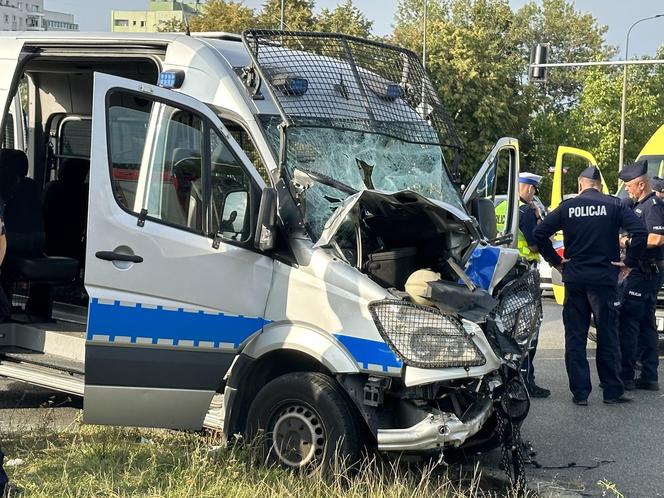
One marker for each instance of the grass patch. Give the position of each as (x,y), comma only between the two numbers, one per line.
(92,461)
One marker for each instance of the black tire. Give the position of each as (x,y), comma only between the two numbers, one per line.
(314,420)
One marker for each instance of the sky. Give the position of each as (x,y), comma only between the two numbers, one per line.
(94,15)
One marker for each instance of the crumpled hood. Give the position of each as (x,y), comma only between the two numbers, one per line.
(437,211)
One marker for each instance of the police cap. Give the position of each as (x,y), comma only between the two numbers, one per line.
(635,170)
(657,184)
(591,172)
(530,179)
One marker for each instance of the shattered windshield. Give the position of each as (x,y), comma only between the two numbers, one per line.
(360,160)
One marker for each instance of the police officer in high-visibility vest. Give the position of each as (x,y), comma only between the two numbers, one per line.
(591,223)
(529,217)
(638,332)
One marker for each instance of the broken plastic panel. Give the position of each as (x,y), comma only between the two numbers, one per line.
(482,265)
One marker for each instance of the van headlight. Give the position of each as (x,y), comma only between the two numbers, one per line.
(424,337)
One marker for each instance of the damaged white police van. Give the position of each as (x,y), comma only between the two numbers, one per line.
(267,217)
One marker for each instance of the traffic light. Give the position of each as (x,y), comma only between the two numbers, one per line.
(539,54)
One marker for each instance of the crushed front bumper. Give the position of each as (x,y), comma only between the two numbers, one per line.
(437,429)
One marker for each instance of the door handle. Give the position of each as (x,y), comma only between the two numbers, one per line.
(116,256)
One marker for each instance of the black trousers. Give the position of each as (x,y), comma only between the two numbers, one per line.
(581,301)
(638,328)
(527,366)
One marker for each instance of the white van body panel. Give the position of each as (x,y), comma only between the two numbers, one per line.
(185,295)
(331,296)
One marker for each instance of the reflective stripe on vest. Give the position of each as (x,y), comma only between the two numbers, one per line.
(521,243)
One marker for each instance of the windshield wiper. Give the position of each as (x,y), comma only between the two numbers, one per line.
(305,178)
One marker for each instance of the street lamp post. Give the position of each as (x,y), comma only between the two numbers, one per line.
(623,104)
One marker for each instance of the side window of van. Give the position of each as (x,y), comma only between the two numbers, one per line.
(247,145)
(161,158)
(128,118)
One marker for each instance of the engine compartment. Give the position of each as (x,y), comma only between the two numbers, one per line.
(390,236)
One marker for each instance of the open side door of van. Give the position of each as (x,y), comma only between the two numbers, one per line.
(558,193)
(175,284)
(496,183)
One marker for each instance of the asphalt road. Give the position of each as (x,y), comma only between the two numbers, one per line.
(625,442)
(628,438)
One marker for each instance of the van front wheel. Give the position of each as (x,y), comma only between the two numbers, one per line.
(304,420)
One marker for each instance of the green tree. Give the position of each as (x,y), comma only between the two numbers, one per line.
(344,18)
(298,15)
(224,15)
(573,36)
(596,118)
(171,25)
(476,68)
(478,53)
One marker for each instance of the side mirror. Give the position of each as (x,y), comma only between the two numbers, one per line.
(267,215)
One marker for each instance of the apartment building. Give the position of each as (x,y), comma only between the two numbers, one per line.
(159,11)
(29,15)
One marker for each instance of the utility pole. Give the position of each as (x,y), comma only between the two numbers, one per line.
(424,35)
(281,24)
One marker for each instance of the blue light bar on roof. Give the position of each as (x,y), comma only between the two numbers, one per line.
(173,78)
(393,91)
(291,85)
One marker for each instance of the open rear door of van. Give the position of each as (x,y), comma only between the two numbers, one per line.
(570,161)
(175,284)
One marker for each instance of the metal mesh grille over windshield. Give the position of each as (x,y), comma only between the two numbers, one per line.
(520,307)
(339,81)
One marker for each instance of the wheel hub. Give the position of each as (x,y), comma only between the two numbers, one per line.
(298,436)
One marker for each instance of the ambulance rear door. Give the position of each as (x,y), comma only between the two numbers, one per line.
(570,161)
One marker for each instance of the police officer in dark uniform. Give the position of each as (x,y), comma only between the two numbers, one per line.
(638,331)
(591,223)
(657,185)
(529,217)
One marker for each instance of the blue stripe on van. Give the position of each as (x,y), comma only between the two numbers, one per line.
(157,323)
(368,352)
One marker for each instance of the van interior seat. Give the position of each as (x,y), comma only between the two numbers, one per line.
(65,209)
(24,225)
(25,260)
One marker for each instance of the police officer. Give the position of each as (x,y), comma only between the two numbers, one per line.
(638,332)
(591,223)
(657,185)
(529,217)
